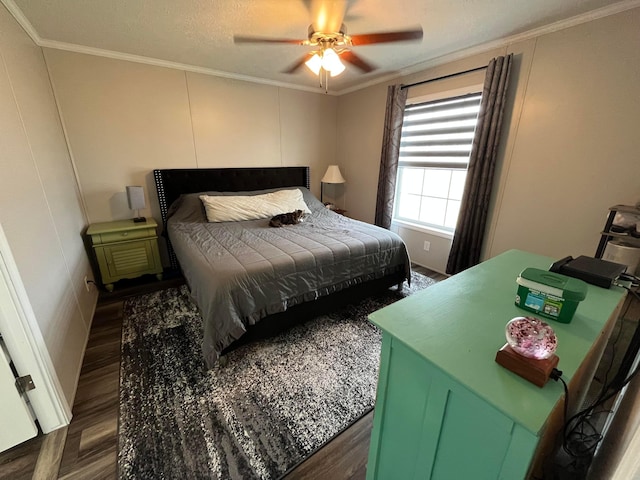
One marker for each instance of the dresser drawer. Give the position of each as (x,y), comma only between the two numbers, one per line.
(113,237)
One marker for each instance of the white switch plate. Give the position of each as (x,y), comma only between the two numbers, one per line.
(427,245)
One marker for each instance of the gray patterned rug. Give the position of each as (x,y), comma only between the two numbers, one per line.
(274,404)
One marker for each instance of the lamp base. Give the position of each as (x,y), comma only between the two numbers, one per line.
(535,371)
(139,220)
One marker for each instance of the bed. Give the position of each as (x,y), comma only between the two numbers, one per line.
(245,274)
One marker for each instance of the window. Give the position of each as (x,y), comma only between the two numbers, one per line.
(434,155)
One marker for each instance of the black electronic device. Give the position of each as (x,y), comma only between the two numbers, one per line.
(592,270)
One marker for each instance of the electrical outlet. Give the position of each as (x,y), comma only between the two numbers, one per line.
(427,245)
(87,283)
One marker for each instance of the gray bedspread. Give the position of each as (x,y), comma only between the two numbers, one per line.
(240,272)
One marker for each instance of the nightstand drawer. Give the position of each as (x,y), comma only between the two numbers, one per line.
(111,237)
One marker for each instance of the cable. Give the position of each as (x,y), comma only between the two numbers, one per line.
(613,353)
(629,276)
(577,465)
(577,423)
(627,280)
(580,437)
(557,375)
(629,357)
(578,445)
(633,292)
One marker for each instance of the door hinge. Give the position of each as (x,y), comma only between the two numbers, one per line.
(24,384)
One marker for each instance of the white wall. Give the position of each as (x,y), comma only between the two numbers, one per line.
(40,206)
(359,142)
(569,149)
(125,119)
(576,148)
(122,119)
(568,153)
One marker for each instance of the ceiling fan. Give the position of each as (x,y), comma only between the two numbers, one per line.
(332,44)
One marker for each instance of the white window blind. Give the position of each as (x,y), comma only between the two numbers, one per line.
(439,133)
(436,142)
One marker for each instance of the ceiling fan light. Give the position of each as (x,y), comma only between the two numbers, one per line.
(338,68)
(314,63)
(330,60)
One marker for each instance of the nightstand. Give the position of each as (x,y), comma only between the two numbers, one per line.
(125,249)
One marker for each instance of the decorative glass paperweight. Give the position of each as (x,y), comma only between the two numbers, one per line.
(531,337)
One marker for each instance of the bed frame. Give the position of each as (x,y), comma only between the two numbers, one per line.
(171,183)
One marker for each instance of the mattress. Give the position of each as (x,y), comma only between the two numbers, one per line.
(240,272)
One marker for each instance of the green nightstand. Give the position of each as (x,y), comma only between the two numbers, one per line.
(125,249)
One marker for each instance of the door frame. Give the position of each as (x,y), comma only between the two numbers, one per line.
(18,424)
(25,343)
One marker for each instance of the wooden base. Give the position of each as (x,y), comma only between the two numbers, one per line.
(535,371)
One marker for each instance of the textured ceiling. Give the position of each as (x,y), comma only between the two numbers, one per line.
(199,33)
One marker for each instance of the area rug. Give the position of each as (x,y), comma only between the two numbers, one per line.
(273,404)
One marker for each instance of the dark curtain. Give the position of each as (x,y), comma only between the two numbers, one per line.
(396,99)
(467,241)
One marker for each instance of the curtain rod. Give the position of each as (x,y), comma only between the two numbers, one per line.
(443,77)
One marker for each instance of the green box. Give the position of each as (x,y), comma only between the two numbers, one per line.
(549,294)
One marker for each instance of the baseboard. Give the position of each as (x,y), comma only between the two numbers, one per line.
(429,268)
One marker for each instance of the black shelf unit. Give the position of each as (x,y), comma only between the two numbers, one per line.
(607,234)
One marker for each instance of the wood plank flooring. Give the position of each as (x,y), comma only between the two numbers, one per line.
(89,443)
(87,448)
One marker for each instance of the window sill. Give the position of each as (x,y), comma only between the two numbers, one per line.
(423,229)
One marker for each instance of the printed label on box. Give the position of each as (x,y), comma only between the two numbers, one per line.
(534,301)
(540,302)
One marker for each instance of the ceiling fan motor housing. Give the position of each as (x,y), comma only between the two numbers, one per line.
(329,39)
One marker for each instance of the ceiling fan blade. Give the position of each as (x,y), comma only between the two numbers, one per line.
(327,15)
(386,37)
(352,58)
(298,64)
(249,39)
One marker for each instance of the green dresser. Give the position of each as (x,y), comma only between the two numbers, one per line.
(125,249)
(445,409)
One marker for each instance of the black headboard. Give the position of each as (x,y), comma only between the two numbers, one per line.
(172,183)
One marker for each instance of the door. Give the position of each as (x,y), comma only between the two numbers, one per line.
(22,339)
(16,421)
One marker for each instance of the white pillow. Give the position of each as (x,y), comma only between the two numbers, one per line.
(251,207)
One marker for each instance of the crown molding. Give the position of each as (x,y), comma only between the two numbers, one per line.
(22,20)
(72,47)
(502,42)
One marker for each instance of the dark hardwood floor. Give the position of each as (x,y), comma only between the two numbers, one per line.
(87,448)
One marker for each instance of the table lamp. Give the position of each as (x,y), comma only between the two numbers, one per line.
(332,175)
(135,197)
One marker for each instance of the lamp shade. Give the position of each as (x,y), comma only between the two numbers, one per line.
(338,68)
(135,197)
(333,175)
(314,63)
(331,62)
